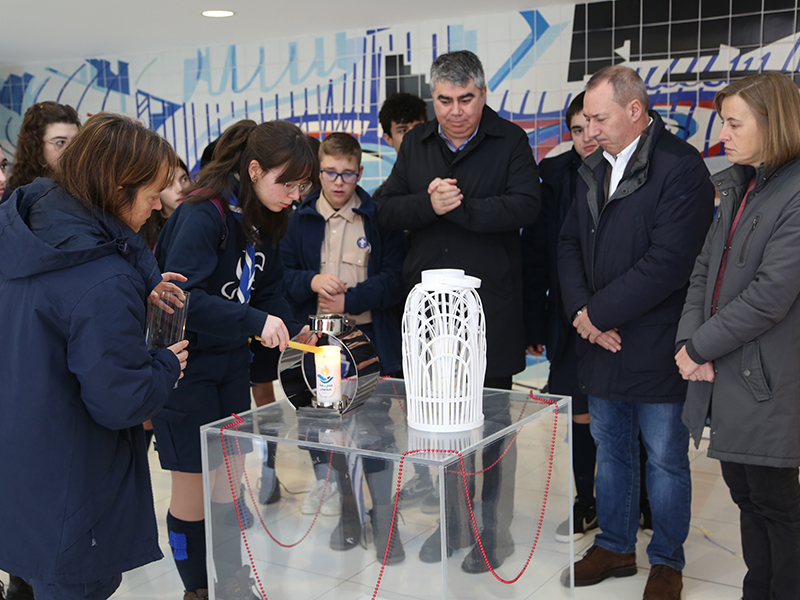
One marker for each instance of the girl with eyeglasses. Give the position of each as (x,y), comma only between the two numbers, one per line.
(223,238)
(47,129)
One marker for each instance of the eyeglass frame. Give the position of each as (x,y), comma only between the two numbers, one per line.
(55,141)
(322,173)
(291,186)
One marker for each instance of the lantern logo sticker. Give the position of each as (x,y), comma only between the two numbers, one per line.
(324,375)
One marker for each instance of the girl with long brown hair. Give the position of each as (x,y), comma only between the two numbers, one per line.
(223,238)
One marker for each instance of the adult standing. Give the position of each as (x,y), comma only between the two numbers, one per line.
(47,129)
(463,186)
(626,251)
(739,330)
(77,377)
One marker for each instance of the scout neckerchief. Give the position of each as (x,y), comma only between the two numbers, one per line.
(248,274)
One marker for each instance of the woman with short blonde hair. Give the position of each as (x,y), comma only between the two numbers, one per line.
(738,337)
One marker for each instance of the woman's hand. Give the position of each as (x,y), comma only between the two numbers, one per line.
(274,333)
(690,370)
(166,286)
(181,352)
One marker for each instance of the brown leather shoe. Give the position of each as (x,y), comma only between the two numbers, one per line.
(664,583)
(598,564)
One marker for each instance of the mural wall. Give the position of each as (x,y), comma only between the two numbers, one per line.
(535,62)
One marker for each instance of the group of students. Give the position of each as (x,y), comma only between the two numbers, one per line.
(97,221)
(76,229)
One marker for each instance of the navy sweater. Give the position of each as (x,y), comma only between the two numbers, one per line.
(192,244)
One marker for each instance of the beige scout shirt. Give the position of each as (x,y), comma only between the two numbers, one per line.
(345,252)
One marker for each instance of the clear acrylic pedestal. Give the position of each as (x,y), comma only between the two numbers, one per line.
(507,483)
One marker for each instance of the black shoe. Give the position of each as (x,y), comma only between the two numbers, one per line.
(431,551)
(417,489)
(584,517)
(240,586)
(381,516)
(347,533)
(496,553)
(19,589)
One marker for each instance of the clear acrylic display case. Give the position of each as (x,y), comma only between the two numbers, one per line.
(508,481)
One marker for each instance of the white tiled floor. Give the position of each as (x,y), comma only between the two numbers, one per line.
(712,572)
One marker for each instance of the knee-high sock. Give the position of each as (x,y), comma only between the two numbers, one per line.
(188,542)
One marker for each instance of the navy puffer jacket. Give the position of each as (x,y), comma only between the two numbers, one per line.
(77,382)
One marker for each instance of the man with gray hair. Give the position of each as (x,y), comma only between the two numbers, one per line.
(641,212)
(463,186)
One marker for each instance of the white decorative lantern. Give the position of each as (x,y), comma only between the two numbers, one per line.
(444,352)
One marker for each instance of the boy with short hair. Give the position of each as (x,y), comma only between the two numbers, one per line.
(400,113)
(338,259)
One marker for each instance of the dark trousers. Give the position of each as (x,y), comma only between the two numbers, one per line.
(93,590)
(769,503)
(497,494)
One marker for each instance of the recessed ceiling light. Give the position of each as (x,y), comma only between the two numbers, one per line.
(218,14)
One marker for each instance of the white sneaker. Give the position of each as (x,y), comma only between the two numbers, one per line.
(332,504)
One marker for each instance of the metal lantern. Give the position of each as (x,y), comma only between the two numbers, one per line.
(360,366)
(444,352)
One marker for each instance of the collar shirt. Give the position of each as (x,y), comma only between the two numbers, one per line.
(620,162)
(345,251)
(450,144)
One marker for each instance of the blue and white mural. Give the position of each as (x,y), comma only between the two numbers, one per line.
(535,62)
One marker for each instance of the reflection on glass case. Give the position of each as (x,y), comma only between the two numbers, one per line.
(360,505)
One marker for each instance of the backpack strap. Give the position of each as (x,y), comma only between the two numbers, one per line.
(218,202)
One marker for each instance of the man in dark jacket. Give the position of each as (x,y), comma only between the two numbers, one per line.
(463,185)
(627,248)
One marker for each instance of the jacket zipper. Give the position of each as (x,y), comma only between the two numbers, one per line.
(747,239)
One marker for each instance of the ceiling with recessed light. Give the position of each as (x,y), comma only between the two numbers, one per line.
(45,30)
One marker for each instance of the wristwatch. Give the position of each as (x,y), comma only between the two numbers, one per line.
(579,312)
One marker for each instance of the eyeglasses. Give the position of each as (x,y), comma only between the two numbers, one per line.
(333,176)
(58,143)
(291,186)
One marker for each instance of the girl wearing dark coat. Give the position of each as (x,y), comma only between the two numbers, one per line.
(78,379)
(223,238)
(738,335)
(47,129)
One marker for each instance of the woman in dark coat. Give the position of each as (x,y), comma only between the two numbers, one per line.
(223,238)
(77,377)
(739,335)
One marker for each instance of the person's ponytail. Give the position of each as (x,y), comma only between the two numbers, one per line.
(213,179)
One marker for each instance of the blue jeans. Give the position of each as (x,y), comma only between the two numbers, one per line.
(615,428)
